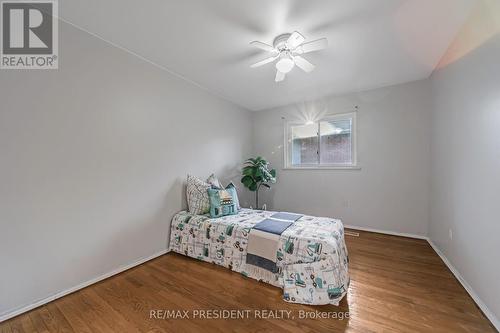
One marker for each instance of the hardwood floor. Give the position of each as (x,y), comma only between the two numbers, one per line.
(397,285)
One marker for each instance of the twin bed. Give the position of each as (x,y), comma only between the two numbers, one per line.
(310,259)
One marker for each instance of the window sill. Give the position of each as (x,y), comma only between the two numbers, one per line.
(350,167)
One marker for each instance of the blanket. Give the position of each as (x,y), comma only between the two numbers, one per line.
(263,243)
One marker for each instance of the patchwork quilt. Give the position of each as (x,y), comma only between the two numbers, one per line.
(311,257)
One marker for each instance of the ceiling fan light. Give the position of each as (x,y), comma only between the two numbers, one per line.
(285,65)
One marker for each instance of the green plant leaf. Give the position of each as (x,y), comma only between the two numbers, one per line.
(258,172)
(247,181)
(248,171)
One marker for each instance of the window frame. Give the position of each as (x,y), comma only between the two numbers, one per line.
(336,166)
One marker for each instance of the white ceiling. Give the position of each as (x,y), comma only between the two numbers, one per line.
(372,43)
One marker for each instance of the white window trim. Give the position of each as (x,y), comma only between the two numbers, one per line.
(354,137)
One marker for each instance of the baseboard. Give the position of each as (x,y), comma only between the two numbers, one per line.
(487,312)
(7,315)
(392,233)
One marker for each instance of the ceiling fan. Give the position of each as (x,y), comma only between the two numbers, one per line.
(288,49)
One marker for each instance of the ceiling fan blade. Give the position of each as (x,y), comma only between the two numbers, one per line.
(265,61)
(295,40)
(263,46)
(315,45)
(303,64)
(279,76)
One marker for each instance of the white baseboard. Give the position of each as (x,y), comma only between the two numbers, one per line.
(393,233)
(487,312)
(7,315)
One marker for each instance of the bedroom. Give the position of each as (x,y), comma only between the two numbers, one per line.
(379,118)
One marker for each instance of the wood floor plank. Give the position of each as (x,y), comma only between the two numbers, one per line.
(122,297)
(96,322)
(398,284)
(16,326)
(38,323)
(73,315)
(53,318)
(5,327)
(115,320)
(27,325)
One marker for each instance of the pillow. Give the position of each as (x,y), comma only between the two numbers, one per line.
(216,184)
(235,195)
(223,201)
(214,181)
(197,196)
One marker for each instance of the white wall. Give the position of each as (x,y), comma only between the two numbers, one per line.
(465,171)
(390,192)
(92,161)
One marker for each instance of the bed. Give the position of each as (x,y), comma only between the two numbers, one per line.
(311,256)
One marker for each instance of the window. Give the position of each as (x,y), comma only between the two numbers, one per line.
(329,142)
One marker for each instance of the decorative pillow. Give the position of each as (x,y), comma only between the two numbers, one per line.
(222,201)
(197,196)
(214,181)
(235,195)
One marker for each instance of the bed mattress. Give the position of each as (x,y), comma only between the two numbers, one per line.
(311,259)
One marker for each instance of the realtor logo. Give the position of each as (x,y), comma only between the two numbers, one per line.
(29,35)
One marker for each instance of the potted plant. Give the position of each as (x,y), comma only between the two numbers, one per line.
(256,173)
